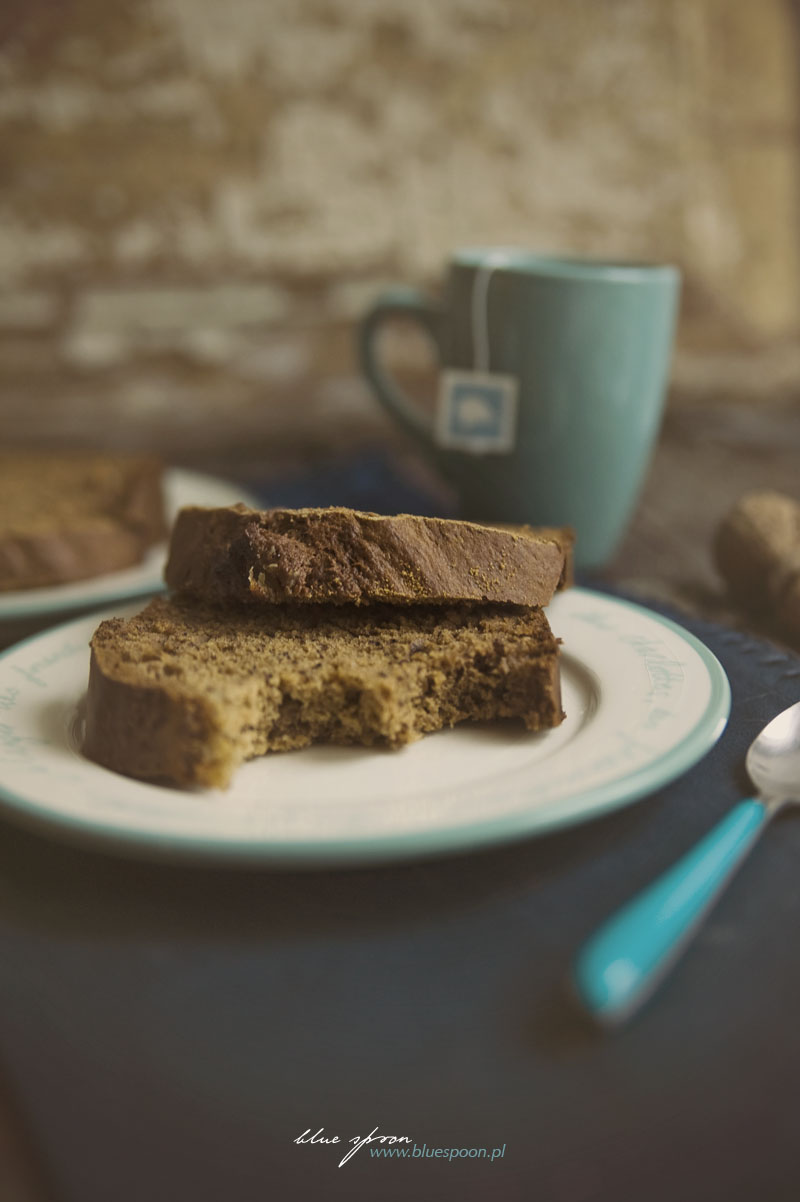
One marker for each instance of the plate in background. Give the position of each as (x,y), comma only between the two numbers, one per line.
(644,698)
(25,608)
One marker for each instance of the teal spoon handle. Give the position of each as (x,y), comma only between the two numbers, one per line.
(622,963)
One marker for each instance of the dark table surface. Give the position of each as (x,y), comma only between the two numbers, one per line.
(167,1032)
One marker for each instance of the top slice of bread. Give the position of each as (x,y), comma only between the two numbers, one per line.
(341,556)
(71,516)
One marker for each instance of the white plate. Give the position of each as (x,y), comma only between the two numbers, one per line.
(180,488)
(644,698)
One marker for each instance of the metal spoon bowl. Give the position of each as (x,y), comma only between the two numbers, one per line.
(773,760)
(623,962)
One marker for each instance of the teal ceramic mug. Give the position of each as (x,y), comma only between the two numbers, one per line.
(554,372)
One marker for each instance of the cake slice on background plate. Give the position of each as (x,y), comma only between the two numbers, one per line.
(68,516)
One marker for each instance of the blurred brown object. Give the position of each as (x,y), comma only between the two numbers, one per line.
(757,551)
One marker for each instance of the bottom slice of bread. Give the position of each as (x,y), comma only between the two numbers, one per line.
(186,693)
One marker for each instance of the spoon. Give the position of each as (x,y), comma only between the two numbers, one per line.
(623,962)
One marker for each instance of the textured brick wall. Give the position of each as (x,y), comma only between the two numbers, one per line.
(197,199)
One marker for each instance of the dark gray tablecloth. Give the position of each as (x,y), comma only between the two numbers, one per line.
(168,1032)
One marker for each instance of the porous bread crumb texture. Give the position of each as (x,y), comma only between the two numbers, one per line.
(186,693)
(345,557)
(71,516)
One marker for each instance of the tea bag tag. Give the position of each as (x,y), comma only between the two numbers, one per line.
(476,410)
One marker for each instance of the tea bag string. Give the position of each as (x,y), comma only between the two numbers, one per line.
(481,351)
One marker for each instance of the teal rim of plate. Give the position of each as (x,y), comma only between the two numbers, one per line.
(40,609)
(442,841)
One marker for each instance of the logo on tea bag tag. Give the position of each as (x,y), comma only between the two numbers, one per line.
(477,412)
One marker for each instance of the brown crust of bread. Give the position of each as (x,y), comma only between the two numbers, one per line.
(186,692)
(72,517)
(152,733)
(341,556)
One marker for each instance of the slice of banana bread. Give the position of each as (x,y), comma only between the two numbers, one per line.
(341,556)
(186,693)
(70,516)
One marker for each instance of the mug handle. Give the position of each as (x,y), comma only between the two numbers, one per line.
(399,302)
